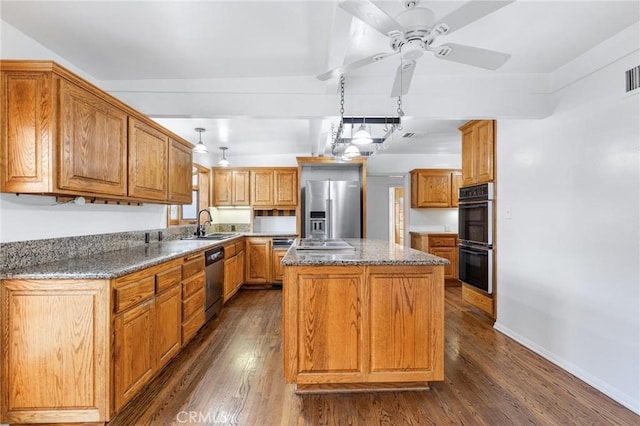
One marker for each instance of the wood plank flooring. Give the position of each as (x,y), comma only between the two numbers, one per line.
(231,374)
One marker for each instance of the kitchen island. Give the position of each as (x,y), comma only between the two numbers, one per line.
(362,319)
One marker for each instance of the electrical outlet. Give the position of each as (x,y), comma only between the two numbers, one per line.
(507,213)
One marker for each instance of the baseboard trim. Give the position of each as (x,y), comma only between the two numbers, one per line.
(605,388)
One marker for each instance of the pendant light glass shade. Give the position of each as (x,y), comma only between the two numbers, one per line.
(223,161)
(200,148)
(362,136)
(351,151)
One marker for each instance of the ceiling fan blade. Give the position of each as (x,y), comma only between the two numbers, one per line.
(475,56)
(470,12)
(370,14)
(403,78)
(336,72)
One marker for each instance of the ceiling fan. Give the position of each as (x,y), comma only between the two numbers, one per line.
(413,32)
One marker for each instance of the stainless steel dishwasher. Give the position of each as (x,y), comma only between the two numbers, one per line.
(214,281)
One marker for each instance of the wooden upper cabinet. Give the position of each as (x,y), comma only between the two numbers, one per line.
(222,187)
(484,151)
(230,187)
(180,169)
(93,143)
(61,135)
(434,188)
(456,183)
(286,187)
(262,192)
(26,142)
(241,194)
(274,187)
(204,187)
(148,161)
(478,152)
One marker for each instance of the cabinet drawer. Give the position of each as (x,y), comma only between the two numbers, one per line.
(134,292)
(191,327)
(229,251)
(168,278)
(192,305)
(443,241)
(192,265)
(191,286)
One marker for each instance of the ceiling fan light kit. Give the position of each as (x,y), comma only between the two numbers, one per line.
(412,33)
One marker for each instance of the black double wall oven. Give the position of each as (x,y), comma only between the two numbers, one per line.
(475,236)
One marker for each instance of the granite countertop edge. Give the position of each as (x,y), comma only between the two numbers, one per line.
(113,264)
(366,253)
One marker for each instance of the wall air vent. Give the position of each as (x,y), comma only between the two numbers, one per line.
(632,78)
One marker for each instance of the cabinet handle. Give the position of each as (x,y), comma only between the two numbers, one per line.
(193,256)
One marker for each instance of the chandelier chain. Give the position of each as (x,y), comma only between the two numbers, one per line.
(342,96)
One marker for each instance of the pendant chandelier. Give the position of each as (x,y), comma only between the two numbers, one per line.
(200,148)
(223,161)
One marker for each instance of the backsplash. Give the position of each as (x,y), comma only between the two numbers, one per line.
(230,227)
(35,252)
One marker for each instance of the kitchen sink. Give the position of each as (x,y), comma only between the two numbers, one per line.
(218,237)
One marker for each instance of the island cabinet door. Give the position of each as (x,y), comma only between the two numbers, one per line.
(55,351)
(330,330)
(406,323)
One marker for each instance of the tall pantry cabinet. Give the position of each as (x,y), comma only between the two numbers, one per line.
(478,166)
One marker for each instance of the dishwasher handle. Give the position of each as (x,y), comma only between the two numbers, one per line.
(213,256)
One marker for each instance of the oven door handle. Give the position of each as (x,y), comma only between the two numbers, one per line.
(471,205)
(473,251)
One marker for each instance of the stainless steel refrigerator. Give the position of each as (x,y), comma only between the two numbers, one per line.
(332,209)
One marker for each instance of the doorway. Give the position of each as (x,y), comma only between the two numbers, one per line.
(396,215)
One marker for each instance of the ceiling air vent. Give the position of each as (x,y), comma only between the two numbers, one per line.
(632,77)
(408,135)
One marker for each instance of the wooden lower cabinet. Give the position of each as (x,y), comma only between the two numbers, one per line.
(233,269)
(168,323)
(56,347)
(258,260)
(147,334)
(193,296)
(478,299)
(362,327)
(134,351)
(76,351)
(441,245)
(276,268)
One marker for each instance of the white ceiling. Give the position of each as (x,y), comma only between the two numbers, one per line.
(245,70)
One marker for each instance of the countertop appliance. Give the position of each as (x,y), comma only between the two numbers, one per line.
(214,281)
(315,244)
(332,209)
(475,236)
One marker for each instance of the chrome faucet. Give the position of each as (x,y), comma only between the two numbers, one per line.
(200,228)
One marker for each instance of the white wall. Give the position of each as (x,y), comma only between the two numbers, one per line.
(568,259)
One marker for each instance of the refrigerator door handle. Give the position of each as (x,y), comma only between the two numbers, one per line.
(329,229)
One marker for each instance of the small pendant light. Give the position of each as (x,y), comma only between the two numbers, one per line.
(200,148)
(362,136)
(223,161)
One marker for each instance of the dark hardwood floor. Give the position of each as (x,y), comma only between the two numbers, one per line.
(231,373)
